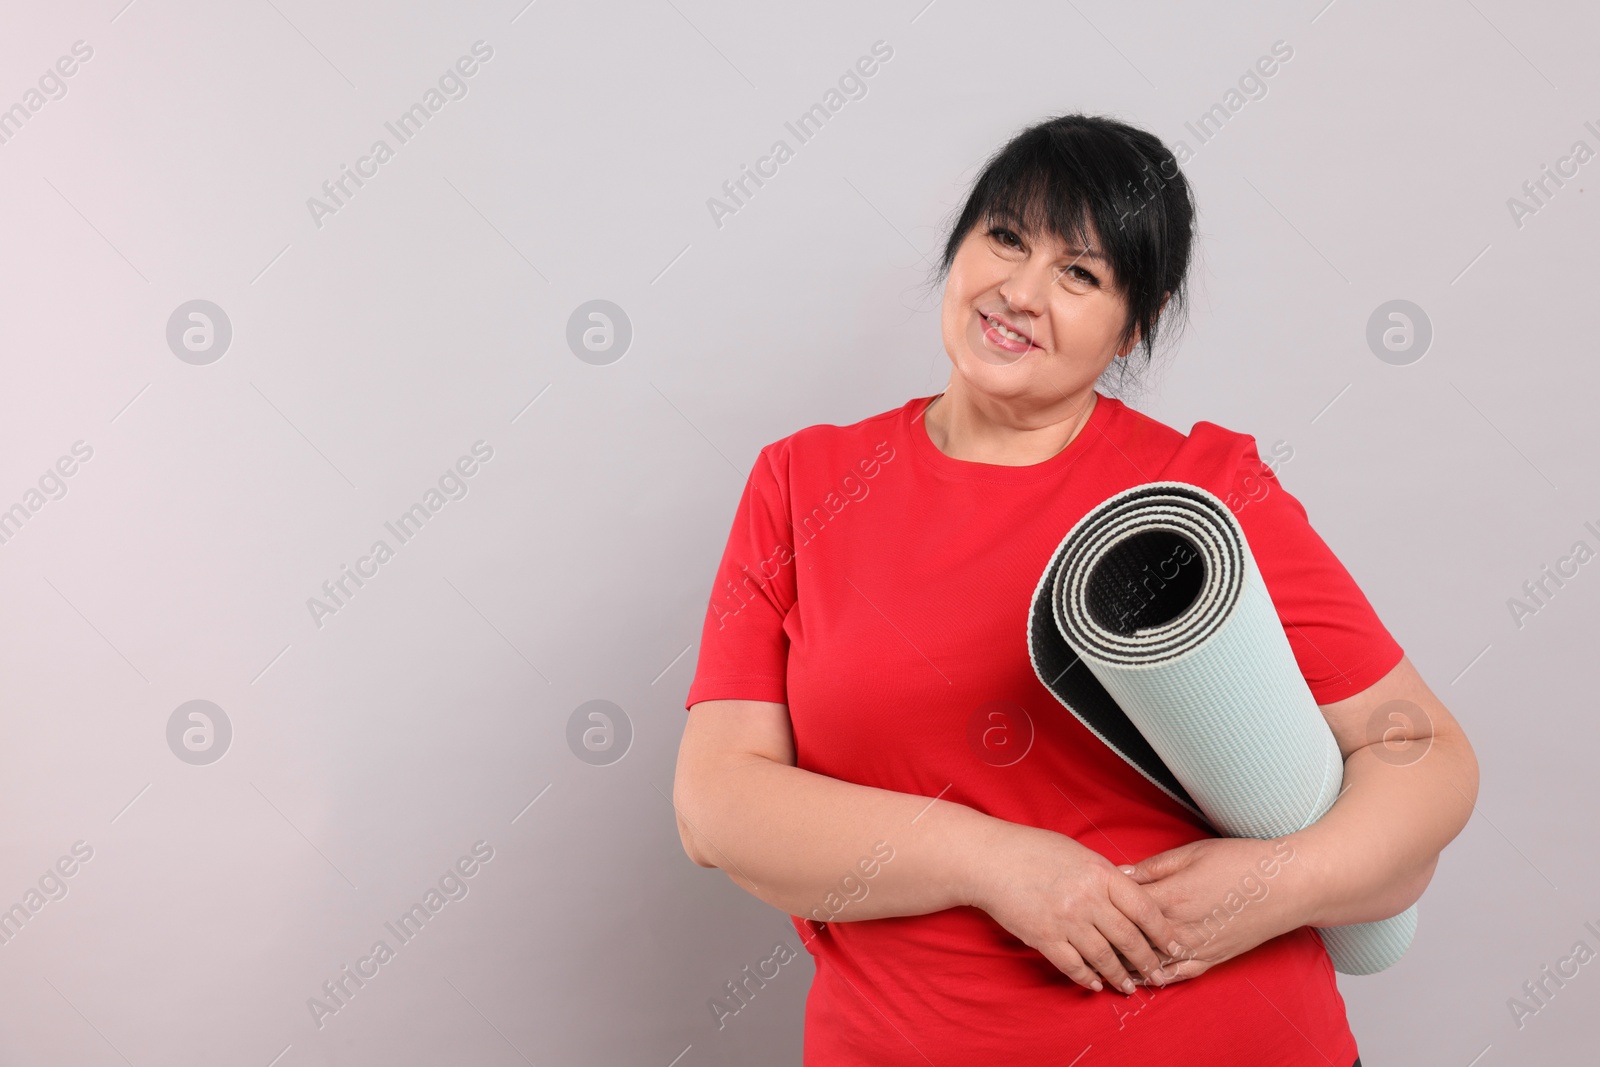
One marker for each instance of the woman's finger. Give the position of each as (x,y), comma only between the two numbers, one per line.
(1098,953)
(1130,945)
(1178,970)
(1161,865)
(1135,902)
(1132,968)
(1066,959)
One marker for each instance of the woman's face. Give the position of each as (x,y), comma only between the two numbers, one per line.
(1062,301)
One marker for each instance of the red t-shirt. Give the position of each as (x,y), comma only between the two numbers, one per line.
(880,589)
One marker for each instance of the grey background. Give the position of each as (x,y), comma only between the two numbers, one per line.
(368,354)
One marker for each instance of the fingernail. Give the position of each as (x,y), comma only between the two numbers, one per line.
(1127,985)
(1096,986)
(1125,870)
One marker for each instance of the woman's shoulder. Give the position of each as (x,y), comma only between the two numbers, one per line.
(1209,455)
(876,436)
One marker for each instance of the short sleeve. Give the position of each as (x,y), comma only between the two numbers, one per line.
(744,649)
(1339,642)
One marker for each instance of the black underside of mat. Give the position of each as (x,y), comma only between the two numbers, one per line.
(1069,678)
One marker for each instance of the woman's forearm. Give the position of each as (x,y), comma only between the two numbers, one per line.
(830,850)
(1372,854)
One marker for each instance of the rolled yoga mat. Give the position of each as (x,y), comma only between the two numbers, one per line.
(1152,625)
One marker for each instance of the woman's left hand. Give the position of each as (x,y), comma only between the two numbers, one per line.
(1224,896)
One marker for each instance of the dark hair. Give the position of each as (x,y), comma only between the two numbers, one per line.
(1055,176)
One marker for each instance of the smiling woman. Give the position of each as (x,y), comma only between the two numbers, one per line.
(837,713)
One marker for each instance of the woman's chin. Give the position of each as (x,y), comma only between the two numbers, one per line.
(983,352)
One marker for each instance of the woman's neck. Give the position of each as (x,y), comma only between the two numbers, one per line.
(989,433)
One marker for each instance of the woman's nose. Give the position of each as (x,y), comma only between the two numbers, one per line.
(1024,290)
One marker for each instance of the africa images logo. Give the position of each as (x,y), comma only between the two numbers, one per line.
(453,85)
(852,85)
(452,485)
(807,524)
(453,885)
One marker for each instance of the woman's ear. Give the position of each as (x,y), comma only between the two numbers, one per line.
(1134,343)
(1127,347)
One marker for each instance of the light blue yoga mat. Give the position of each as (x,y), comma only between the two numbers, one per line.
(1154,628)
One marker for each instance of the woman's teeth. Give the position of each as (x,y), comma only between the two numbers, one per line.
(1007,333)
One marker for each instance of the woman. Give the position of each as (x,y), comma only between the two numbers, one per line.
(979,878)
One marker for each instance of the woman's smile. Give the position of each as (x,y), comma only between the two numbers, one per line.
(1004,336)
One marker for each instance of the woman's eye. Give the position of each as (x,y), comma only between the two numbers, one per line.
(1005,236)
(1082,275)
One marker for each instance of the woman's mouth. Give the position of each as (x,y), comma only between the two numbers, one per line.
(1003,337)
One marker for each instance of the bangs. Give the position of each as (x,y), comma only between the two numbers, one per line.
(1024,199)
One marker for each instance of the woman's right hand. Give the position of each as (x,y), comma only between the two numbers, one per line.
(1074,906)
